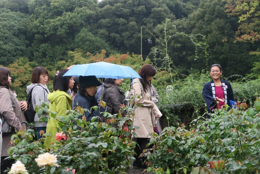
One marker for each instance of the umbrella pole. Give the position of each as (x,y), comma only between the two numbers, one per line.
(141,45)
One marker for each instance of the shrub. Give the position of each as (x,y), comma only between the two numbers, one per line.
(188,92)
(96,147)
(231,136)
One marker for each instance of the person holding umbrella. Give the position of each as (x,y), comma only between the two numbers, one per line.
(85,97)
(145,111)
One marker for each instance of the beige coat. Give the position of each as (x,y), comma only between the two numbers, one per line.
(12,116)
(145,111)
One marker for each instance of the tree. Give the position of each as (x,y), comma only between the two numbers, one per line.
(88,42)
(15,5)
(12,36)
(211,21)
(119,22)
(182,8)
(21,70)
(54,25)
(248,12)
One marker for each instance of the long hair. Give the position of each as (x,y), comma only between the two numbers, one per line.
(4,72)
(145,72)
(37,72)
(82,91)
(61,83)
(75,87)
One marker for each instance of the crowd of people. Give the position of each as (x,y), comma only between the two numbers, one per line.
(70,92)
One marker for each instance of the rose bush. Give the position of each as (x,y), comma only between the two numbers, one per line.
(229,140)
(96,147)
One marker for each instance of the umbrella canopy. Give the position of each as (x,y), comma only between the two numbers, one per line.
(102,70)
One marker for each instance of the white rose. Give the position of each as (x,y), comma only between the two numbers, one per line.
(46,159)
(18,168)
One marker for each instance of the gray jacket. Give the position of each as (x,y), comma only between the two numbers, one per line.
(39,95)
(11,115)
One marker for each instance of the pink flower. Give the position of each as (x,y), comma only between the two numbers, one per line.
(226,86)
(60,136)
(73,170)
(244,99)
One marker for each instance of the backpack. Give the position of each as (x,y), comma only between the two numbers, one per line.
(30,112)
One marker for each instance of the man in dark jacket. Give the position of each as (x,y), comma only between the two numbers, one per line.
(113,95)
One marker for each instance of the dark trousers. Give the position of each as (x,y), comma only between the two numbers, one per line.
(141,144)
(5,164)
(38,129)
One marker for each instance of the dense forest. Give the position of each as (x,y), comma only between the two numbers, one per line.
(186,36)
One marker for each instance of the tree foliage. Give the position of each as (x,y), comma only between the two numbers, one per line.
(198,32)
(54,25)
(15,5)
(248,13)
(12,38)
(119,22)
(208,25)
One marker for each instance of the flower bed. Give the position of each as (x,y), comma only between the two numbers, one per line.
(228,142)
(96,147)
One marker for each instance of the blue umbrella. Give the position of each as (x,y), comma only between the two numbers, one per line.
(102,70)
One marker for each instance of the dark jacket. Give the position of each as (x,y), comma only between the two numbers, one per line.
(209,97)
(86,102)
(114,98)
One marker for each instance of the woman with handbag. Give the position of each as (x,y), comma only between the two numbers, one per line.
(10,113)
(217,92)
(145,111)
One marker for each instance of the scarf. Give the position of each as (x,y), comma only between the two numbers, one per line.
(92,100)
(224,89)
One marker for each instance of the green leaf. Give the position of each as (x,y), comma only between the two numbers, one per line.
(53,169)
(169,142)
(257,106)
(198,156)
(184,170)
(168,171)
(195,170)
(251,112)
(40,111)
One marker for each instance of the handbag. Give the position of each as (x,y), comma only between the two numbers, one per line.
(5,126)
(232,104)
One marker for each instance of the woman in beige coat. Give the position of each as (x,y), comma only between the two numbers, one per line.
(145,111)
(10,110)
